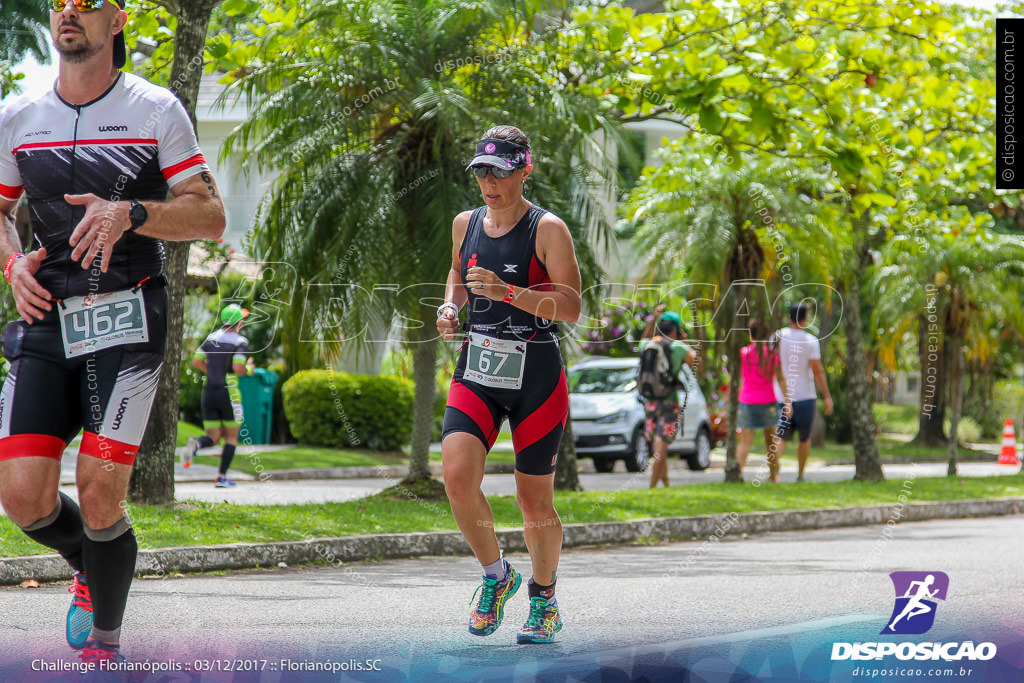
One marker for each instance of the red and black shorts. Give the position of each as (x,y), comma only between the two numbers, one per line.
(46,398)
(536,412)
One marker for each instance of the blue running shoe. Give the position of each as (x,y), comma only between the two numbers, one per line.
(80,613)
(223,482)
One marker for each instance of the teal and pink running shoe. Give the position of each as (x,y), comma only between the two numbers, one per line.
(486,618)
(80,612)
(542,624)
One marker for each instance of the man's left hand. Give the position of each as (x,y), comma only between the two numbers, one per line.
(101,227)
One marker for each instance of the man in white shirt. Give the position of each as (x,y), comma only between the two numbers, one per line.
(800,359)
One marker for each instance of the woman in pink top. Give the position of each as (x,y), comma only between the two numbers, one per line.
(759,362)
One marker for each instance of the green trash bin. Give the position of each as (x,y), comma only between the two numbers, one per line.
(257,406)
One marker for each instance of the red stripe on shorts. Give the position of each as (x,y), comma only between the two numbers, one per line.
(107,449)
(31,445)
(540,423)
(463,399)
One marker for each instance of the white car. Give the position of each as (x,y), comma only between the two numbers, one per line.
(608,416)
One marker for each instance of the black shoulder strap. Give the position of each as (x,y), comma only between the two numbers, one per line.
(472,230)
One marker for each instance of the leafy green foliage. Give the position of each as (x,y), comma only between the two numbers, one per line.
(25,31)
(620,331)
(342,410)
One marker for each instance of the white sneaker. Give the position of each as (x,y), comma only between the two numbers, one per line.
(189,451)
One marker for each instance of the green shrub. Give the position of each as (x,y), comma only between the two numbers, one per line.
(341,410)
(440,403)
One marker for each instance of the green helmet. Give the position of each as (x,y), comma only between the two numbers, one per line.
(232,313)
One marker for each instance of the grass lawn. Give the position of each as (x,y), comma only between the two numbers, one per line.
(186,430)
(891,451)
(315,456)
(896,419)
(392,511)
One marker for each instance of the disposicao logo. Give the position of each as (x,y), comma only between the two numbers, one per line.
(917,598)
(917,594)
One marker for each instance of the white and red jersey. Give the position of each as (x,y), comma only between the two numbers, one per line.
(133,142)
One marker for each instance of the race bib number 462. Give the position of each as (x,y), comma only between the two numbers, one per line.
(96,322)
(497,363)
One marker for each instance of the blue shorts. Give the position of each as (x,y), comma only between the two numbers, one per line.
(801,421)
(757,415)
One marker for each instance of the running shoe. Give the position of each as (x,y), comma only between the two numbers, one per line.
(486,618)
(95,652)
(543,622)
(80,613)
(223,482)
(189,452)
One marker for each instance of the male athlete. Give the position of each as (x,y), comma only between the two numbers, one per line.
(222,358)
(95,158)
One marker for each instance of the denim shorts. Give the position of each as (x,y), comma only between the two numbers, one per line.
(801,421)
(757,415)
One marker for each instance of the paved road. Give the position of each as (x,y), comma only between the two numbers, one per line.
(769,602)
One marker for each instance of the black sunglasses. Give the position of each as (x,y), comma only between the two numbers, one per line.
(500,173)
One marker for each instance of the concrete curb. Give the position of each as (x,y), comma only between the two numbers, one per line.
(584,466)
(370,471)
(393,546)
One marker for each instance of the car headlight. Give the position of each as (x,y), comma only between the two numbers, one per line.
(613,418)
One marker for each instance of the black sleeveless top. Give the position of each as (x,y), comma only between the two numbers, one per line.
(513,258)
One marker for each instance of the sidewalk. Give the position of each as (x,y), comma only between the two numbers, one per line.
(199,472)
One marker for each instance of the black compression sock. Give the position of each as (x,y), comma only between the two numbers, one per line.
(62,531)
(205,441)
(540,591)
(226,456)
(110,564)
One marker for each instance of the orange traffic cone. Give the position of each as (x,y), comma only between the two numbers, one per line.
(1008,456)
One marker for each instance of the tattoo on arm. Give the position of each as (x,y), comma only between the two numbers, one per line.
(209,183)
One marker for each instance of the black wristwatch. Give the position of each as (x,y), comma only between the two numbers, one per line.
(138,215)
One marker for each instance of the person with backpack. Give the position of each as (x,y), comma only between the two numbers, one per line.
(661,359)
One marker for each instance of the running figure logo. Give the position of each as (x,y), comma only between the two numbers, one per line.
(916,596)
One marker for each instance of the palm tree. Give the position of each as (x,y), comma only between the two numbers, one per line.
(23,31)
(730,227)
(371,117)
(968,279)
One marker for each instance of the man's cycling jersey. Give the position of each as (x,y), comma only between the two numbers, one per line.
(133,142)
(220,351)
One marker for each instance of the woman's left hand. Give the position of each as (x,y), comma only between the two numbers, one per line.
(483,282)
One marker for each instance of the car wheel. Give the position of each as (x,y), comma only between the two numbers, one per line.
(604,465)
(701,458)
(639,452)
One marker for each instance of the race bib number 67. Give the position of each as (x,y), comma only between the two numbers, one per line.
(497,363)
(96,322)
